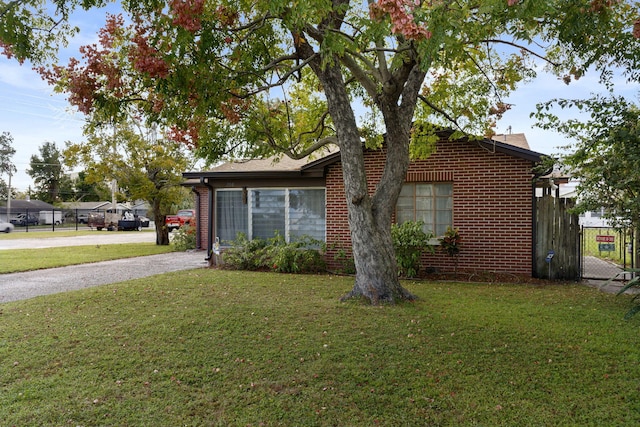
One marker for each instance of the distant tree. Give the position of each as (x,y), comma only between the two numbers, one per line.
(4,190)
(47,171)
(85,191)
(605,159)
(6,153)
(144,168)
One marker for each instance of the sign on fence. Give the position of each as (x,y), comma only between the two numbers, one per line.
(606,247)
(605,239)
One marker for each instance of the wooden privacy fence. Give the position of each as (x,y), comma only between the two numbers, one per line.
(557,245)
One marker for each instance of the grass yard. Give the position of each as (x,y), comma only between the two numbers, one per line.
(223,348)
(43,234)
(15,260)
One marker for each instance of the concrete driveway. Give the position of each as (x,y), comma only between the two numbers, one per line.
(18,286)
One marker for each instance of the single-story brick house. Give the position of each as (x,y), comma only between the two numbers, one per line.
(484,188)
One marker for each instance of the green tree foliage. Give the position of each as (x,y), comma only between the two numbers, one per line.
(86,191)
(605,159)
(6,164)
(143,167)
(274,76)
(6,153)
(47,171)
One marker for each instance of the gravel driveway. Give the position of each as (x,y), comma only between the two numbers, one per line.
(18,286)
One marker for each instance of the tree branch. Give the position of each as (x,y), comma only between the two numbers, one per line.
(439,110)
(526,49)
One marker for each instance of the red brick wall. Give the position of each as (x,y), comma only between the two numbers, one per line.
(491,206)
(202,216)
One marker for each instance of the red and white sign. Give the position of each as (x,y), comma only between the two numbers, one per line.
(605,239)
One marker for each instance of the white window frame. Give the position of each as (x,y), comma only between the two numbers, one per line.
(249,201)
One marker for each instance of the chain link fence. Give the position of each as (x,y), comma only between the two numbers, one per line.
(606,252)
(26,220)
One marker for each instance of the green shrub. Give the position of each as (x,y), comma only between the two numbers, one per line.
(633,286)
(409,241)
(302,256)
(450,244)
(185,238)
(245,254)
(347,264)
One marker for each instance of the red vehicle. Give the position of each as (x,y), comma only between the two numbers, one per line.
(184,216)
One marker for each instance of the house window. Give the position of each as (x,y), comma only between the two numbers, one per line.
(267,213)
(307,213)
(231,215)
(431,203)
(261,212)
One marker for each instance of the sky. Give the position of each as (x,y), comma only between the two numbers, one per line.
(33,114)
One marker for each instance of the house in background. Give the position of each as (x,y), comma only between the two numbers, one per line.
(484,188)
(32,207)
(80,210)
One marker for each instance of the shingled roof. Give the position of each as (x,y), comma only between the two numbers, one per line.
(515,145)
(515,139)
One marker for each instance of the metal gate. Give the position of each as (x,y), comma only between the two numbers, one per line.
(606,252)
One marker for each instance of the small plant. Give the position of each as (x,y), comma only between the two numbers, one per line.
(245,254)
(301,256)
(409,241)
(633,284)
(346,262)
(450,244)
(184,239)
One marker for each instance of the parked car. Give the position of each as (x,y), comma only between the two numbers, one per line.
(24,219)
(184,216)
(6,227)
(132,222)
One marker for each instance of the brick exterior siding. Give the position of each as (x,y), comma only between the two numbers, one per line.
(202,216)
(492,206)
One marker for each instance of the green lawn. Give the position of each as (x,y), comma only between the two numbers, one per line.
(44,234)
(16,260)
(222,348)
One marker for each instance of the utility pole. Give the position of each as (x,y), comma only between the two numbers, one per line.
(9,197)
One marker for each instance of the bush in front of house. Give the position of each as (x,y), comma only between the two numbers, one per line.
(343,258)
(409,241)
(245,254)
(305,255)
(302,256)
(450,244)
(184,239)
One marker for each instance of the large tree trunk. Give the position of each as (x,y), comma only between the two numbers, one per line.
(369,216)
(162,234)
(374,257)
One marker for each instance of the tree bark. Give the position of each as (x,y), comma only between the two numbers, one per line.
(162,234)
(369,217)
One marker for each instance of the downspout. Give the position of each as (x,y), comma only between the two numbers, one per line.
(209,219)
(198,227)
(534,229)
